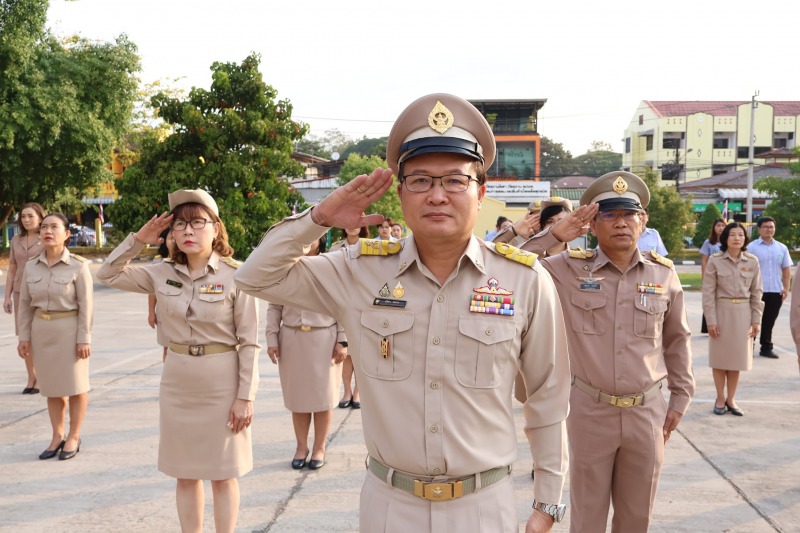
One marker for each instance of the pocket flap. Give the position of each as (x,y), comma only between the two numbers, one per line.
(63,279)
(211,297)
(169,290)
(487,331)
(33,278)
(588,301)
(387,324)
(653,305)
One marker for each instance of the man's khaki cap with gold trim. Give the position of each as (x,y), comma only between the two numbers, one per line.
(617,190)
(440,123)
(197,196)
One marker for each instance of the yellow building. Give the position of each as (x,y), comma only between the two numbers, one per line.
(687,141)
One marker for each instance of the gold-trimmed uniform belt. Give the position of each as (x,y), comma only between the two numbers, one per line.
(200,349)
(47,315)
(735,300)
(621,401)
(437,492)
(305,328)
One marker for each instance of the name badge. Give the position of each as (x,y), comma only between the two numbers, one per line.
(174,283)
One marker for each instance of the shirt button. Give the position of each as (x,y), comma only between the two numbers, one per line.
(434,428)
(434,384)
(436,471)
(489,332)
(436,341)
(619,327)
(440,298)
(385,323)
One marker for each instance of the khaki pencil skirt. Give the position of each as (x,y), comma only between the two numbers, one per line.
(309,380)
(195,401)
(59,372)
(733,349)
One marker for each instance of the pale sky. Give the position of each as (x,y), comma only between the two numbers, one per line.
(354,65)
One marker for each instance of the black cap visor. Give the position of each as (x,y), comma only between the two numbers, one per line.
(436,145)
(628,204)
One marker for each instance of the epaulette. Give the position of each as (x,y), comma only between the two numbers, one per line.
(168,260)
(78,257)
(658,258)
(718,254)
(747,254)
(513,253)
(379,247)
(581,254)
(230,261)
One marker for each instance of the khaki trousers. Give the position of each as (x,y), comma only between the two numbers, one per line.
(386,509)
(616,457)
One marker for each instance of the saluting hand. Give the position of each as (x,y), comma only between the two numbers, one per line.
(527,226)
(241,415)
(344,207)
(274,354)
(150,233)
(575,224)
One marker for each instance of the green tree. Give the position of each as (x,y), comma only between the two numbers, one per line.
(63,106)
(670,214)
(332,141)
(389,204)
(598,162)
(367,147)
(785,206)
(556,161)
(234,140)
(704,225)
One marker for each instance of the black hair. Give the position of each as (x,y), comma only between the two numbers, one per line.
(549,212)
(163,249)
(723,239)
(764,219)
(712,237)
(500,220)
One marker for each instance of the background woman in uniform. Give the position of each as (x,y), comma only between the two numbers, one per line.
(350,398)
(211,372)
(310,347)
(164,252)
(55,327)
(732,305)
(385,230)
(710,247)
(25,245)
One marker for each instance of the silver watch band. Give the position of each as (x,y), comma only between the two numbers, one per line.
(555,510)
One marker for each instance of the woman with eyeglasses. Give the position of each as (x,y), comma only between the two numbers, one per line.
(25,245)
(210,374)
(55,328)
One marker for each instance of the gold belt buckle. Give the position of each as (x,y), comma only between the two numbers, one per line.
(625,401)
(305,328)
(437,492)
(197,350)
(45,316)
(735,300)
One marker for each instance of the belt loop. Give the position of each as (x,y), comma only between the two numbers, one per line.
(573,380)
(477,481)
(389,476)
(366,462)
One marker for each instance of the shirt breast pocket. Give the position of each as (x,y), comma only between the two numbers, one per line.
(386,350)
(63,285)
(482,351)
(649,316)
(211,307)
(35,285)
(586,313)
(167,298)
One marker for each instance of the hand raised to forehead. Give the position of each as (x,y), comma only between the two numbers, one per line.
(575,224)
(345,206)
(150,233)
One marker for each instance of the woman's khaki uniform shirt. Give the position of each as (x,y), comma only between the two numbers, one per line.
(19,254)
(729,279)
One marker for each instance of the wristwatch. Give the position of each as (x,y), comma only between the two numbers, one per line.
(555,510)
(343,343)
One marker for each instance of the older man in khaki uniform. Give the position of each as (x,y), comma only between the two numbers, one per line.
(627,331)
(438,325)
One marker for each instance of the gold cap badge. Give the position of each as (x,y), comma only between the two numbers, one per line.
(440,118)
(620,185)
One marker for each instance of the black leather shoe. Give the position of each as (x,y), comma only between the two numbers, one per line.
(297,464)
(316,464)
(345,404)
(768,353)
(356,405)
(719,410)
(533,474)
(64,455)
(27,390)
(49,454)
(734,410)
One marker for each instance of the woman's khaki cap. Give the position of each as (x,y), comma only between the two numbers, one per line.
(535,206)
(440,123)
(566,203)
(197,196)
(617,190)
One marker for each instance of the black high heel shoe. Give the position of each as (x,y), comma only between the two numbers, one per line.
(49,454)
(64,455)
(297,464)
(316,464)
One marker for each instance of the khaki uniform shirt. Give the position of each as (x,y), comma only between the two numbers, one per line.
(624,336)
(65,286)
(794,312)
(209,309)
(294,317)
(19,254)
(725,277)
(435,378)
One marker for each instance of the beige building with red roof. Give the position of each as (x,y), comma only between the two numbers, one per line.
(688,141)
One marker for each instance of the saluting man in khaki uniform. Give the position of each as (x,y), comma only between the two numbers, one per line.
(439,324)
(627,331)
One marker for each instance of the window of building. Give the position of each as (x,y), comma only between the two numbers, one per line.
(783,140)
(515,160)
(641,119)
(672,140)
(720,144)
(627,145)
(648,139)
(742,152)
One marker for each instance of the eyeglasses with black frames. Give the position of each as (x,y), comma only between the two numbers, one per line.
(450,182)
(610,216)
(197,223)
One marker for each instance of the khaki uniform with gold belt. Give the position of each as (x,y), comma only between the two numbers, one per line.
(435,372)
(55,314)
(627,332)
(213,359)
(732,300)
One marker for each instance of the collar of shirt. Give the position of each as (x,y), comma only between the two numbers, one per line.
(213,264)
(409,254)
(65,257)
(742,256)
(602,259)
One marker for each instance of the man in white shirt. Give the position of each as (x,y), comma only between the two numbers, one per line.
(650,239)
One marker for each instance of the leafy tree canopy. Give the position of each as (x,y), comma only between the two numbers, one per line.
(63,106)
(669,214)
(704,225)
(234,140)
(368,147)
(332,141)
(556,161)
(785,207)
(597,163)
(389,204)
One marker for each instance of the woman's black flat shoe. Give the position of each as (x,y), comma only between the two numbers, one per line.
(345,404)
(64,455)
(297,464)
(49,454)
(316,464)
(734,410)
(356,405)
(719,410)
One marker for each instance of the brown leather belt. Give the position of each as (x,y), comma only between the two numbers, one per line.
(437,492)
(47,315)
(200,349)
(621,401)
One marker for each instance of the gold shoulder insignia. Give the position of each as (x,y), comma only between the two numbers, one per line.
(230,261)
(514,254)
(78,257)
(581,254)
(718,254)
(661,259)
(379,247)
(168,260)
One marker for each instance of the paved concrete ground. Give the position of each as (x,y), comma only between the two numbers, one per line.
(722,473)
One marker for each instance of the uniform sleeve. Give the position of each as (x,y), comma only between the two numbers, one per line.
(12,258)
(660,248)
(756,291)
(508,236)
(787,259)
(274,315)
(710,292)
(341,336)
(245,317)
(25,311)
(705,249)
(676,348)
(83,293)
(117,273)
(541,242)
(794,311)
(544,363)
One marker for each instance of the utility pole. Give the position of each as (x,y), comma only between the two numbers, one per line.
(750,154)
